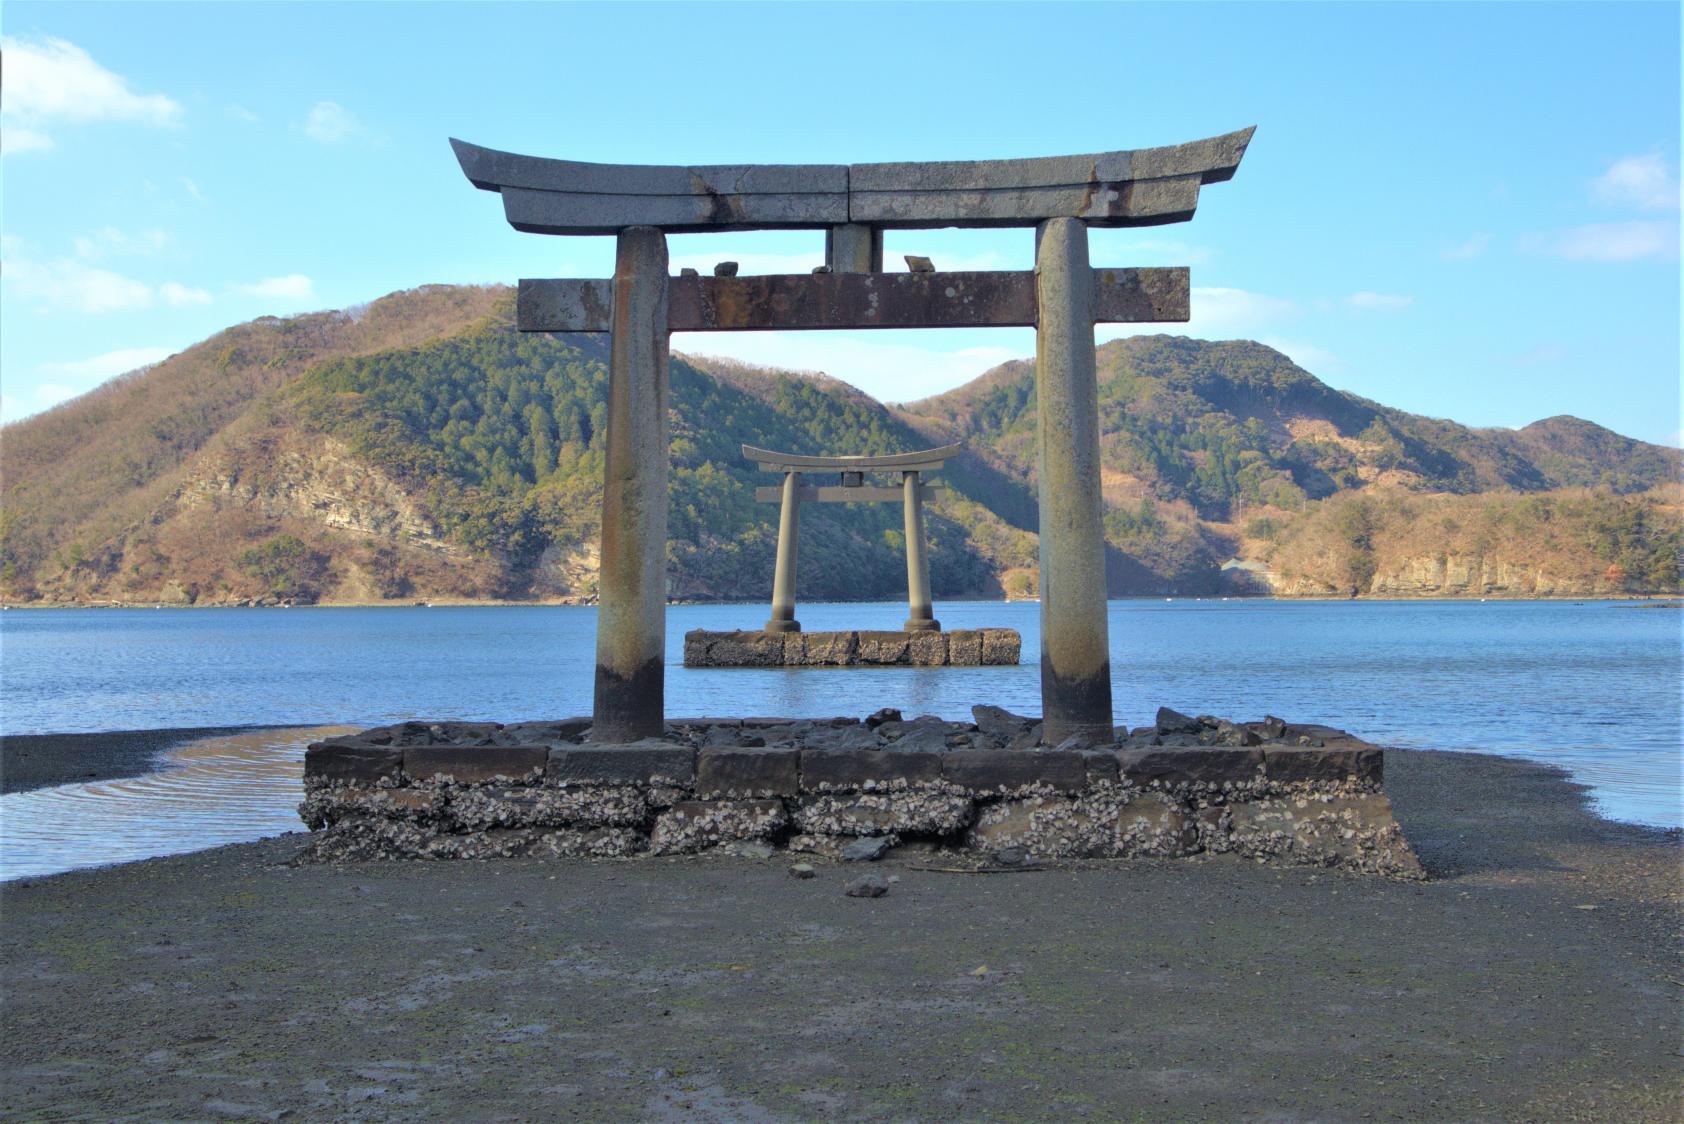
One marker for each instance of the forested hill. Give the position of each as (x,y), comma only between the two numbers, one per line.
(420,448)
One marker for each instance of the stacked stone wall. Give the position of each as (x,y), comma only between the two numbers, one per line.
(1274,792)
(965,647)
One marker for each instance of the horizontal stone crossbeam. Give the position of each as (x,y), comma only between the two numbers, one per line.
(839,493)
(824,301)
(1139,187)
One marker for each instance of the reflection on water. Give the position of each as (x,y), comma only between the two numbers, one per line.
(209,792)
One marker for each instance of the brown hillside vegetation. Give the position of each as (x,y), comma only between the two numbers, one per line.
(1389,543)
(419,447)
(80,477)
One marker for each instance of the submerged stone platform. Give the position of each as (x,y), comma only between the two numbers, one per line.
(965,647)
(845,788)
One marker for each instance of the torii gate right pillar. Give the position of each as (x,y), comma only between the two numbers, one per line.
(1075,638)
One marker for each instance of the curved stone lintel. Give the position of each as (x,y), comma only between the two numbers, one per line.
(924,460)
(1124,188)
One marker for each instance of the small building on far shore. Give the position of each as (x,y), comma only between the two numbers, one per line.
(1247,578)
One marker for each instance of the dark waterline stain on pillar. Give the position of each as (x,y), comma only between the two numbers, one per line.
(629,707)
(1087,695)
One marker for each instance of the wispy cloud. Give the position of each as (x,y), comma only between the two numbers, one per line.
(1379,302)
(293,288)
(1317,360)
(109,241)
(63,381)
(1611,241)
(51,81)
(1644,182)
(329,122)
(177,295)
(1235,311)
(1473,247)
(69,285)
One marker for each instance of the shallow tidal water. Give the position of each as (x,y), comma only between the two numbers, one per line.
(1596,687)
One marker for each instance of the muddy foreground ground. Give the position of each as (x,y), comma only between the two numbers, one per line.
(1535,978)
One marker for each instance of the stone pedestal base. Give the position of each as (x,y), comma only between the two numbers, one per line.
(1310,796)
(930,647)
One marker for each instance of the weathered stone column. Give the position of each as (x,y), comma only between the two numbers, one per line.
(632,585)
(920,616)
(853,248)
(1075,652)
(783,579)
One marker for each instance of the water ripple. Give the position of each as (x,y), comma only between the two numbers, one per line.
(210,792)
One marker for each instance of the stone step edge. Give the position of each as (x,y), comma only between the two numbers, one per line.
(788,772)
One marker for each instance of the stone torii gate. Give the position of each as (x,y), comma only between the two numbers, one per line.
(911,467)
(1062,299)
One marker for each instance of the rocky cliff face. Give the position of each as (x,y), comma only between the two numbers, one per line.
(281,478)
(1446,575)
(1479,576)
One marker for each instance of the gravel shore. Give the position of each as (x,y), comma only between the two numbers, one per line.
(1535,977)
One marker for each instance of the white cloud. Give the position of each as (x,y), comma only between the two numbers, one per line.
(1228,311)
(192,189)
(98,368)
(1644,182)
(109,240)
(50,80)
(1612,241)
(15,139)
(181,296)
(1374,302)
(1476,245)
(67,285)
(292,287)
(241,113)
(72,286)
(330,123)
(66,380)
(1316,360)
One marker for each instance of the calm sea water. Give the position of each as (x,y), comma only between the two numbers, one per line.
(1597,687)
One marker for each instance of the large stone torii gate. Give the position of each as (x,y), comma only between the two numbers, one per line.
(1062,299)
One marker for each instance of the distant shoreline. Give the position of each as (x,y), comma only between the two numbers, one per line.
(1659,600)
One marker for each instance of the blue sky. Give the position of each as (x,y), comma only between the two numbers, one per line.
(1463,210)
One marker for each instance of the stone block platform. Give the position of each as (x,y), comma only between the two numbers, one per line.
(1270,791)
(967,647)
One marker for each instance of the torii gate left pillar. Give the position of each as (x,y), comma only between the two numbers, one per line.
(632,582)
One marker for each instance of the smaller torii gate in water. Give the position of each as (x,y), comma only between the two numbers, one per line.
(1060,196)
(911,467)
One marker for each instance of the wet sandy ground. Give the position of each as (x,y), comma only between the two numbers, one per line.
(1536,978)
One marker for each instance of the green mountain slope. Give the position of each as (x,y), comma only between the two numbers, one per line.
(421,447)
